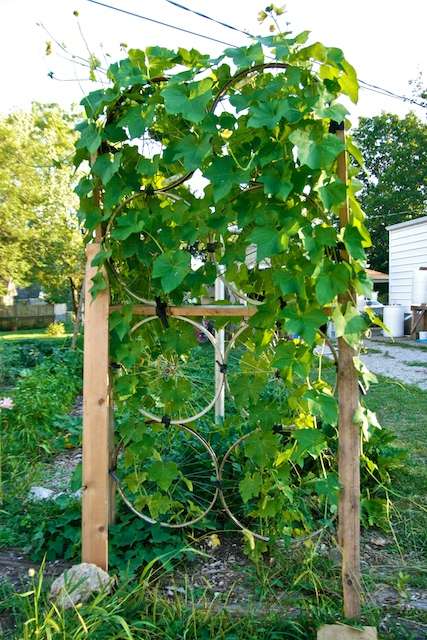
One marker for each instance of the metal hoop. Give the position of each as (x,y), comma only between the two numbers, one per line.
(227,509)
(110,262)
(239,294)
(169,525)
(218,357)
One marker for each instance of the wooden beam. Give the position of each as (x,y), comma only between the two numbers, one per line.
(348,447)
(97,440)
(206,310)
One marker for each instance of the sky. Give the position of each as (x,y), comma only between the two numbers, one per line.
(384,40)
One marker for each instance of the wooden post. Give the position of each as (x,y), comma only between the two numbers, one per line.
(348,446)
(97,440)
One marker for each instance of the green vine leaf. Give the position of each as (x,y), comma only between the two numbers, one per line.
(137,121)
(190,101)
(269,114)
(133,221)
(90,137)
(269,242)
(171,267)
(106,166)
(191,150)
(354,243)
(309,441)
(323,405)
(333,194)
(332,280)
(99,284)
(224,175)
(164,473)
(246,56)
(316,153)
(250,486)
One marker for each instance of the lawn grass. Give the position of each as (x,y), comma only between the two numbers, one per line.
(30,334)
(403,409)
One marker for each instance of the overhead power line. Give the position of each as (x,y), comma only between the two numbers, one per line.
(367,86)
(163,24)
(206,17)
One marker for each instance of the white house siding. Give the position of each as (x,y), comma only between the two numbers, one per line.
(407,252)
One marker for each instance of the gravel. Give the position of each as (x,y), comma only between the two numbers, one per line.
(394,361)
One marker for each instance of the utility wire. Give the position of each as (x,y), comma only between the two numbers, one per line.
(367,86)
(203,15)
(163,24)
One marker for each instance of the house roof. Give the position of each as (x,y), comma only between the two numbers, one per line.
(408,223)
(378,276)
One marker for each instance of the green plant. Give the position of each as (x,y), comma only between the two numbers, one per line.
(43,393)
(17,357)
(275,145)
(56,329)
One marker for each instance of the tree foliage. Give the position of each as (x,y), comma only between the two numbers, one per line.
(39,232)
(395,181)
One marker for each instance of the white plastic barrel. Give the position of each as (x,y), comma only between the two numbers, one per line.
(394,318)
(419,286)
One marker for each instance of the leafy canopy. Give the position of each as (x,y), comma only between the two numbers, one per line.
(264,206)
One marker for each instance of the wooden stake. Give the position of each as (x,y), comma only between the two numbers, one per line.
(348,449)
(97,440)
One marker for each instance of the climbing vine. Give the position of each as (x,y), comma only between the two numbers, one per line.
(200,167)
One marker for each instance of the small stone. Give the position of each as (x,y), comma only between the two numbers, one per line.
(386,595)
(78,583)
(378,541)
(40,493)
(170,590)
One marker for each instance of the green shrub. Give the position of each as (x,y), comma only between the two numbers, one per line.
(16,357)
(41,395)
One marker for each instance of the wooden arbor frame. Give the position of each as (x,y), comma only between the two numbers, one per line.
(98,486)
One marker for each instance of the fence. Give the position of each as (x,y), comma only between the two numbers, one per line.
(26,316)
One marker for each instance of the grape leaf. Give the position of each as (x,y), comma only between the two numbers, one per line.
(192,151)
(191,101)
(250,486)
(310,441)
(106,165)
(172,267)
(353,241)
(316,153)
(164,473)
(333,194)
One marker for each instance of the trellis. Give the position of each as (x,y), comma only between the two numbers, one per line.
(99,485)
(98,450)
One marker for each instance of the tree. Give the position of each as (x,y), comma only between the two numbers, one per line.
(39,231)
(395,181)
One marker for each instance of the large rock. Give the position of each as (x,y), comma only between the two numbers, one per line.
(40,493)
(78,584)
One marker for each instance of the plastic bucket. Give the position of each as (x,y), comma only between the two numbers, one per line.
(394,318)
